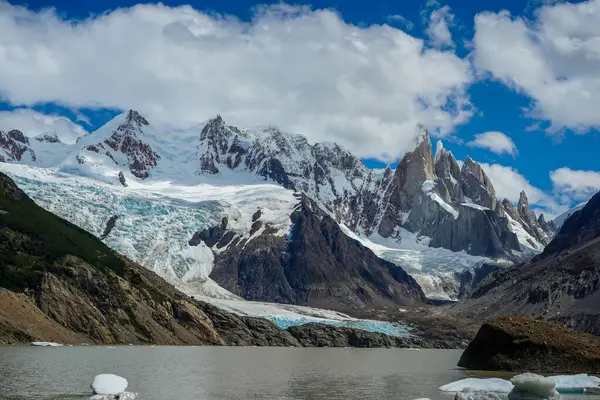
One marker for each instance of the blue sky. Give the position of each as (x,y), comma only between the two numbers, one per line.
(543,100)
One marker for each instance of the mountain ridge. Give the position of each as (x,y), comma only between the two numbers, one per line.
(438,207)
(561,284)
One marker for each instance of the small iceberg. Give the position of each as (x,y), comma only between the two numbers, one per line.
(575,383)
(46,344)
(563,384)
(495,385)
(532,387)
(110,387)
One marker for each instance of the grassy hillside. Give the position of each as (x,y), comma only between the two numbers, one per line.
(33,239)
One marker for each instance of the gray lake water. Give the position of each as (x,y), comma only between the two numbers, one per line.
(194,373)
(210,373)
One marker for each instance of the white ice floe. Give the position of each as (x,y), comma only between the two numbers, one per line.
(496,385)
(477,395)
(46,344)
(532,386)
(562,384)
(108,384)
(568,383)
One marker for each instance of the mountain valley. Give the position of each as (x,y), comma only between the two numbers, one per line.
(261,223)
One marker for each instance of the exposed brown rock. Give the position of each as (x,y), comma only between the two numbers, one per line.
(519,343)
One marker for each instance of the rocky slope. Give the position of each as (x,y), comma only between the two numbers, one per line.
(519,343)
(316,264)
(561,284)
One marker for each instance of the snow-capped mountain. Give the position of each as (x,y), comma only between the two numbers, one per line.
(560,220)
(245,207)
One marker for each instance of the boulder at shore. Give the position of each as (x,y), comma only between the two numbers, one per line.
(520,343)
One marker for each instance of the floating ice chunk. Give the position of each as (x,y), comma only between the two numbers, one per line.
(564,384)
(120,396)
(477,395)
(533,386)
(108,384)
(581,381)
(46,344)
(496,385)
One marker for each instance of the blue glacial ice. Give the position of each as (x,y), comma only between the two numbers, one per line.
(389,328)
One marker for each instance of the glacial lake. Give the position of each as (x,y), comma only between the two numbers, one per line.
(211,373)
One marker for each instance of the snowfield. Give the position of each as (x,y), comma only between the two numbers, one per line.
(434,269)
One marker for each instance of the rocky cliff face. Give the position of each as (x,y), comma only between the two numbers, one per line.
(125,146)
(518,343)
(580,228)
(562,284)
(422,195)
(14,146)
(315,265)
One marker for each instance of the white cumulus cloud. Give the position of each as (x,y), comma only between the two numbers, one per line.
(438,28)
(509,183)
(576,184)
(554,59)
(33,123)
(305,71)
(496,142)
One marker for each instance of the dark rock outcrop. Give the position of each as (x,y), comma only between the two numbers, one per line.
(316,335)
(562,284)
(13,146)
(122,179)
(479,231)
(48,138)
(447,169)
(110,225)
(533,226)
(128,139)
(470,279)
(519,343)
(510,209)
(580,228)
(476,185)
(316,265)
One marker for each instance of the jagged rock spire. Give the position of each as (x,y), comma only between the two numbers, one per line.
(510,209)
(447,170)
(476,185)
(523,206)
(135,117)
